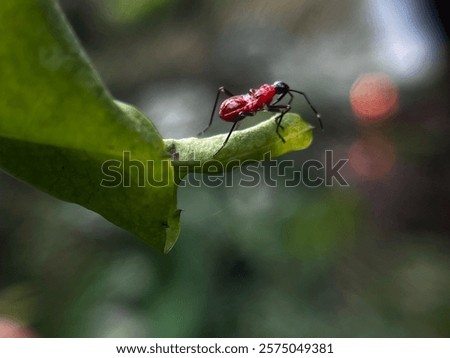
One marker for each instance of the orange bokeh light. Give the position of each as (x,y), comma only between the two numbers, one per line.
(12,329)
(372,157)
(374,97)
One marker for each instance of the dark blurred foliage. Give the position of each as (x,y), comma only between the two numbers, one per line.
(368,260)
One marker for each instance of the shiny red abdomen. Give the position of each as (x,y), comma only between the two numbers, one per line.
(235,108)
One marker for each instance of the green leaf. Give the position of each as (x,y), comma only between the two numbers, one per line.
(58,125)
(61,131)
(203,155)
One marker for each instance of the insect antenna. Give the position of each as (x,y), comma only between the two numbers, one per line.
(312,107)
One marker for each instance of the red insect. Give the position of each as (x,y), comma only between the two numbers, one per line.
(236,108)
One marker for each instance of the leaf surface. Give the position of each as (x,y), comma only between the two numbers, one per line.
(58,125)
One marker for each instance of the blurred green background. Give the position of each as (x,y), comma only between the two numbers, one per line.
(368,260)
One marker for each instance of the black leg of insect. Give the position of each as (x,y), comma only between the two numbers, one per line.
(282,109)
(281,97)
(228,137)
(219,91)
(234,127)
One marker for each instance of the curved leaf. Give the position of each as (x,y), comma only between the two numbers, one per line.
(58,125)
(61,131)
(203,155)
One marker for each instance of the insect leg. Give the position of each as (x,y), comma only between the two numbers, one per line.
(219,91)
(280,98)
(228,137)
(290,99)
(234,127)
(282,109)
